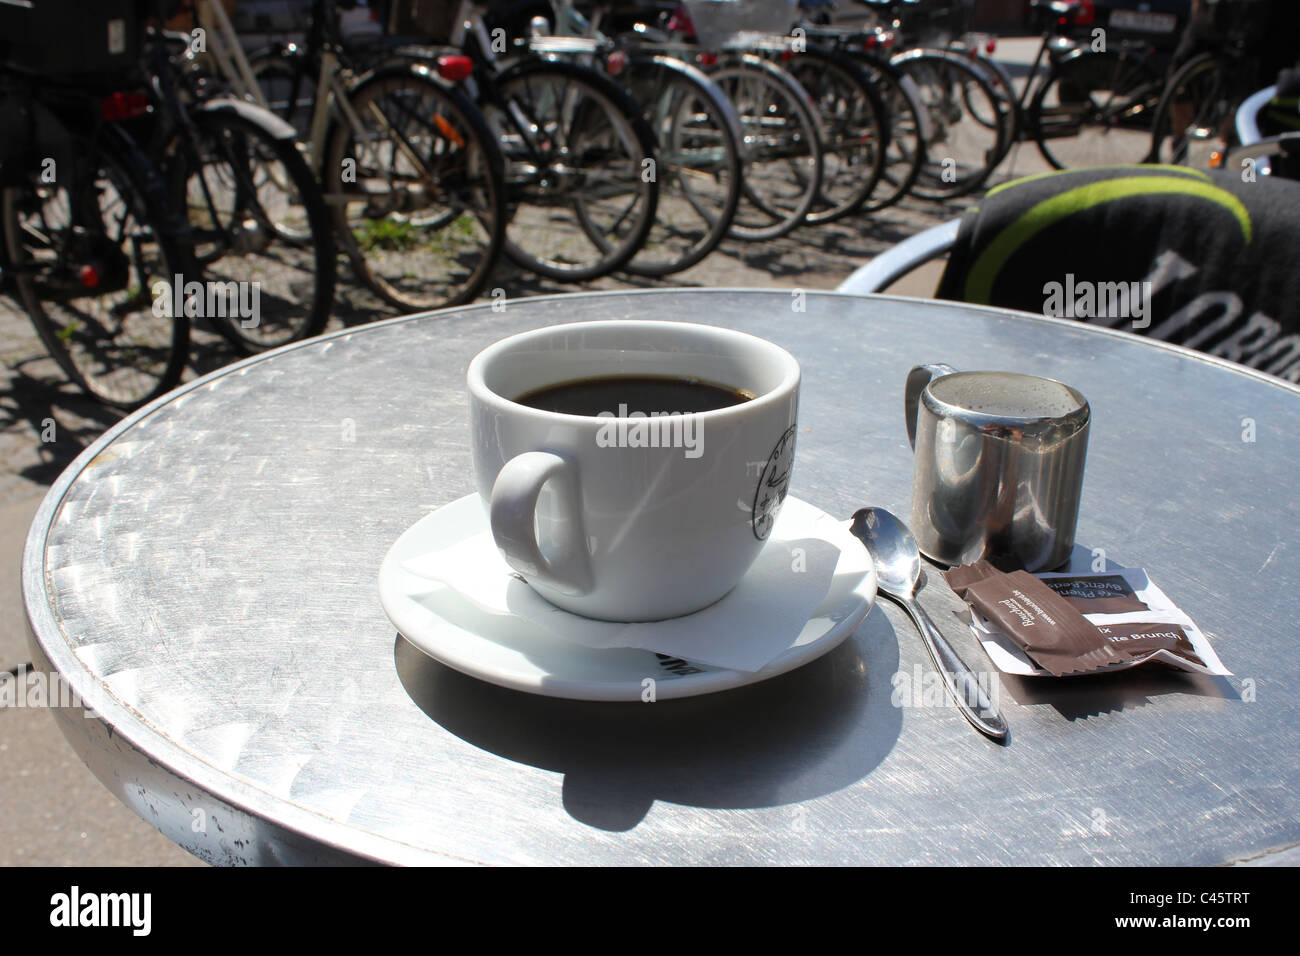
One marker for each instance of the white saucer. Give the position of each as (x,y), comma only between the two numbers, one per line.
(507,650)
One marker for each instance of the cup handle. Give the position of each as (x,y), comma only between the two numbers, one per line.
(513,512)
(917,379)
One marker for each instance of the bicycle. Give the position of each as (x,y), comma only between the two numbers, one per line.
(781,141)
(906,122)
(963,147)
(697,130)
(853,120)
(776,126)
(1090,107)
(579,154)
(89,239)
(257,215)
(1196,107)
(955,96)
(410,168)
(1095,107)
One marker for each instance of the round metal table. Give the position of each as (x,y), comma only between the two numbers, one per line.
(204,576)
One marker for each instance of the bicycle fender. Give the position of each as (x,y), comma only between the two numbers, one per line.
(257,115)
(400,68)
(912,91)
(729,114)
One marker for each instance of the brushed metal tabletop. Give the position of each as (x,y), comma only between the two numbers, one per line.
(204,576)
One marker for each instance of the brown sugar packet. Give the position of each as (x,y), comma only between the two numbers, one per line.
(1142,639)
(1098,593)
(1056,637)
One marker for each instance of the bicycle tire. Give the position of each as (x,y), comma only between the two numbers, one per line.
(853,132)
(276,71)
(1203,81)
(1008,105)
(759,217)
(698,140)
(102,365)
(392,221)
(553,202)
(905,145)
(277,232)
(959,157)
(1094,109)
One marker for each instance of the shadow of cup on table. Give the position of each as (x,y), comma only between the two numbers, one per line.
(782,741)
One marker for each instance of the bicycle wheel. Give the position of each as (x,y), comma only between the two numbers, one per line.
(261,230)
(852,130)
(1196,108)
(579,158)
(94,266)
(782,149)
(699,164)
(414,181)
(1095,110)
(905,144)
(961,151)
(289,90)
(1007,120)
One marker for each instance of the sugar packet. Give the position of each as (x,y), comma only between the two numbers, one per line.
(1067,623)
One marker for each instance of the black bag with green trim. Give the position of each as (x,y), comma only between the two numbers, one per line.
(1207,260)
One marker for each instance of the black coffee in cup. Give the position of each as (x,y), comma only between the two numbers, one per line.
(622,395)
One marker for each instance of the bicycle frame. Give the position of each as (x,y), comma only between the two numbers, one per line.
(223,43)
(1054,47)
(469,22)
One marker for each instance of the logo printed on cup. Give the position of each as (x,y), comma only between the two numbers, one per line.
(773,484)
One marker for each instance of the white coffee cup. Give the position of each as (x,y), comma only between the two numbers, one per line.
(629,518)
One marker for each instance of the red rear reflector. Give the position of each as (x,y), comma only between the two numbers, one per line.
(991,47)
(89,276)
(123,106)
(707,59)
(1087,12)
(455,68)
(616,62)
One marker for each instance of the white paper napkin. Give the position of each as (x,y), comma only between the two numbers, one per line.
(761,618)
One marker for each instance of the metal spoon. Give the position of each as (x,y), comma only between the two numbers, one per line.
(898,571)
